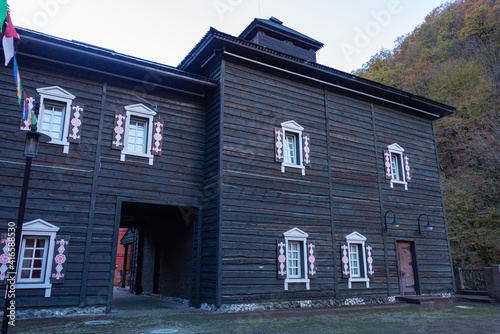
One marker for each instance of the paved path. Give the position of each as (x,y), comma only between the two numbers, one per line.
(142,314)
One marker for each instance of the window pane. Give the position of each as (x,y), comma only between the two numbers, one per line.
(26,264)
(39,253)
(30,242)
(36,274)
(25,274)
(28,253)
(37,264)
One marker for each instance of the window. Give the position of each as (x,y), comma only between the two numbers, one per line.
(138,135)
(357,259)
(36,255)
(52,123)
(397,168)
(296,258)
(292,146)
(354,260)
(33,259)
(291,149)
(54,117)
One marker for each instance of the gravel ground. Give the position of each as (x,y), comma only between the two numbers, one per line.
(141,314)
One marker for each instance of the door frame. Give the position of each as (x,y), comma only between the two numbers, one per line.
(416,272)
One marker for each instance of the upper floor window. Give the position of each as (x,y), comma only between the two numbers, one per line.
(55,113)
(397,168)
(290,151)
(137,133)
(59,115)
(292,146)
(52,123)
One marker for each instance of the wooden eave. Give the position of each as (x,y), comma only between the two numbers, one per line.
(107,62)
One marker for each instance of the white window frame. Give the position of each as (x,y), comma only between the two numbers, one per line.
(297,235)
(294,128)
(356,238)
(139,111)
(38,228)
(57,94)
(397,150)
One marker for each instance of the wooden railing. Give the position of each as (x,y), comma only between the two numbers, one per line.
(470,279)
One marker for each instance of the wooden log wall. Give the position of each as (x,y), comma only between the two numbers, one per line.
(79,191)
(261,202)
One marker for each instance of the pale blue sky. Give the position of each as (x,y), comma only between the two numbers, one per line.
(165,31)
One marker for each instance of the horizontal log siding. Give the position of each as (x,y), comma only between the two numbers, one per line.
(175,178)
(356,200)
(60,184)
(261,202)
(415,135)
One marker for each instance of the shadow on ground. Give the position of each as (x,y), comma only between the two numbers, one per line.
(143,314)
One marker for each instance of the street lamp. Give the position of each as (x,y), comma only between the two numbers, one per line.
(428,227)
(394,223)
(32,138)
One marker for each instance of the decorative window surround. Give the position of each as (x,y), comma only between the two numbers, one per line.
(397,168)
(38,228)
(139,111)
(365,265)
(292,127)
(57,94)
(296,235)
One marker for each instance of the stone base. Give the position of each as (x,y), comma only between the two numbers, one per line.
(59,312)
(233,308)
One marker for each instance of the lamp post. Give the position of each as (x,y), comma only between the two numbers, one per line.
(32,138)
(428,227)
(394,223)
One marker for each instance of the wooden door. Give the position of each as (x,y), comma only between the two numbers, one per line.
(406,269)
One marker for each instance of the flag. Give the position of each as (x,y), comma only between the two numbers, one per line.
(8,40)
(3,12)
(10,30)
(8,48)
(29,114)
(17,78)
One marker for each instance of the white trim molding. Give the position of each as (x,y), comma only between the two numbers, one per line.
(295,234)
(141,111)
(296,129)
(356,238)
(398,150)
(57,94)
(39,228)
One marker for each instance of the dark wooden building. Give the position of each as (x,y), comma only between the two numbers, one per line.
(248,174)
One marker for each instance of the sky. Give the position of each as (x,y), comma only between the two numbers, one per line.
(165,31)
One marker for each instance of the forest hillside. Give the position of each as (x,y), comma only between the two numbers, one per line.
(453,57)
